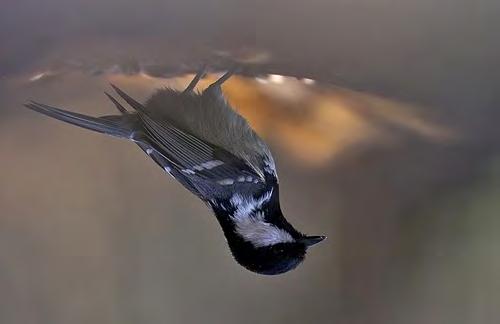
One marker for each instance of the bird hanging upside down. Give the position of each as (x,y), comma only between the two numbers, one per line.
(212,151)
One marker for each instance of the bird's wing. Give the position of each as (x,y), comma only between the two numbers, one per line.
(205,169)
(196,158)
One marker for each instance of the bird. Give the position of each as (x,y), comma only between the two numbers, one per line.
(202,142)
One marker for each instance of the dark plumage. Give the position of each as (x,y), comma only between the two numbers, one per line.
(212,151)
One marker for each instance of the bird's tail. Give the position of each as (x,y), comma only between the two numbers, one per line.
(118,126)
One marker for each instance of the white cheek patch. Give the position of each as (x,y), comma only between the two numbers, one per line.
(252,226)
(257,231)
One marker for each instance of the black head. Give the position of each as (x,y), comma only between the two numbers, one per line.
(259,236)
(273,259)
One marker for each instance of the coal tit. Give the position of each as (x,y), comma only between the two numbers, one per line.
(213,152)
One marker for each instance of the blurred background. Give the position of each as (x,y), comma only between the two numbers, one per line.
(383,118)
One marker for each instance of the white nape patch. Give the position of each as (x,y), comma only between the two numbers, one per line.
(252,226)
(226,182)
(246,205)
(149,150)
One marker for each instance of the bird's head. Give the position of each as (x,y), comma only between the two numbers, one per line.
(259,236)
(273,259)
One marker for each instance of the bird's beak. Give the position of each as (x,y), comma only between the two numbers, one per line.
(311,240)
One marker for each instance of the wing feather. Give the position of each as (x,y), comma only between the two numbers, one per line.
(196,157)
(202,162)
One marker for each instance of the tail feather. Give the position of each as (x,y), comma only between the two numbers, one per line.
(131,101)
(107,126)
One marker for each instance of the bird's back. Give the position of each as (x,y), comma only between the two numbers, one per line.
(207,115)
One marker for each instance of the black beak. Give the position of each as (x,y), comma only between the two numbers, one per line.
(311,240)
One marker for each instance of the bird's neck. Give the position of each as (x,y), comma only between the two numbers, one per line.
(255,220)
